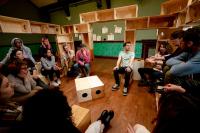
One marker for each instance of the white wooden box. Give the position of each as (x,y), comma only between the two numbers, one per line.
(89,88)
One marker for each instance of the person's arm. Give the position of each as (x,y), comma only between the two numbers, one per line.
(177,60)
(44,64)
(78,58)
(118,61)
(30,54)
(72,55)
(189,67)
(131,60)
(22,99)
(86,55)
(18,85)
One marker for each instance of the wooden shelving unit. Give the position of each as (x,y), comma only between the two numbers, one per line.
(87,17)
(39,27)
(87,40)
(105,15)
(137,23)
(14,25)
(82,28)
(162,21)
(126,12)
(173,6)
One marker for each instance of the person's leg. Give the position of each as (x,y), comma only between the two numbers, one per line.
(57,72)
(87,69)
(52,82)
(127,78)
(116,76)
(77,69)
(40,83)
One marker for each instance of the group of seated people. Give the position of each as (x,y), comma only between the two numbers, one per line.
(178,76)
(47,110)
(20,66)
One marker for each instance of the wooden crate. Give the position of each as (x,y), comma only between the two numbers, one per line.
(162,21)
(39,27)
(64,38)
(88,17)
(67,29)
(126,12)
(105,15)
(173,6)
(193,13)
(54,29)
(82,28)
(81,117)
(137,23)
(14,25)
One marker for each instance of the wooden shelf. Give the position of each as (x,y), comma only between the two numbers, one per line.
(64,38)
(39,27)
(137,23)
(173,6)
(82,28)
(165,33)
(87,17)
(105,15)
(14,25)
(126,12)
(193,13)
(67,29)
(162,21)
(130,37)
(54,29)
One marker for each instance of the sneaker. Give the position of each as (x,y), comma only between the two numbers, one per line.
(79,75)
(108,118)
(115,87)
(125,91)
(53,83)
(58,81)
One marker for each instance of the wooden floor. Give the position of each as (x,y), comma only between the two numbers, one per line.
(137,107)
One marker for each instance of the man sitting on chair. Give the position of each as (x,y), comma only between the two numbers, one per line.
(124,66)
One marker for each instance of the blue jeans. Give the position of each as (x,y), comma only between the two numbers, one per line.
(85,69)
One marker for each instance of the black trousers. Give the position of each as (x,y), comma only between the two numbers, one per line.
(153,74)
(122,70)
(51,72)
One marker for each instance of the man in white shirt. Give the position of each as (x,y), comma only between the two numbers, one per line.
(124,66)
